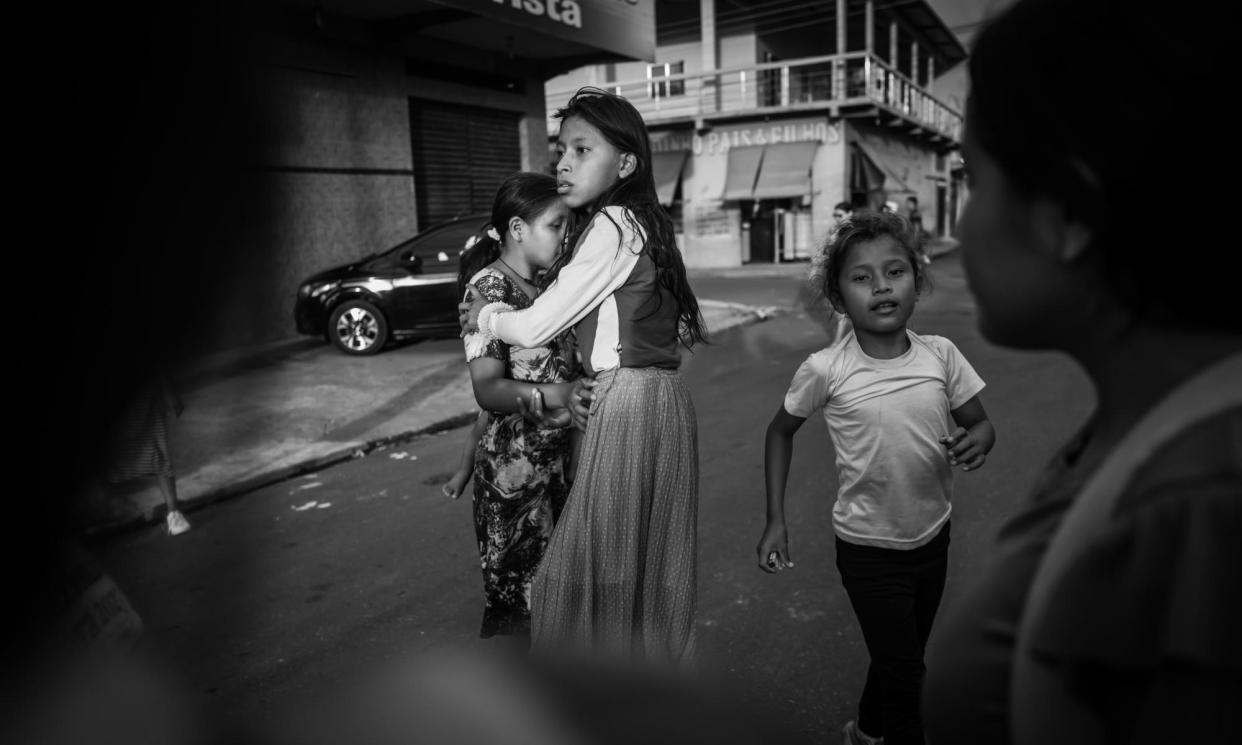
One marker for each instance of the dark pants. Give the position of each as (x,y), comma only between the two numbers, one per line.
(895,595)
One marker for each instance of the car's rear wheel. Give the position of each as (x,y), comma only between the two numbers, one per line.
(358,327)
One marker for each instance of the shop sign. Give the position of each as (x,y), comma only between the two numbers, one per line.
(719,141)
(714,223)
(625,27)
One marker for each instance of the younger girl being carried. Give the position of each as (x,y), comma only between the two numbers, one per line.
(520,468)
(477,255)
(619,574)
(902,409)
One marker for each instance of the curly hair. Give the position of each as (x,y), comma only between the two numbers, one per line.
(864,225)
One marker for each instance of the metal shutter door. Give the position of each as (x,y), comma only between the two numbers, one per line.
(461,154)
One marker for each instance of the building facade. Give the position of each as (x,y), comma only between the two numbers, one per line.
(384,117)
(764,115)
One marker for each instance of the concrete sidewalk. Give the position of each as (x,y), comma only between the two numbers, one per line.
(257,416)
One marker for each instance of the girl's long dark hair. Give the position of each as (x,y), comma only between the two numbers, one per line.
(621,124)
(523,194)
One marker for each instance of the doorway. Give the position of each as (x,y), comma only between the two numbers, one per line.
(762,233)
(942,209)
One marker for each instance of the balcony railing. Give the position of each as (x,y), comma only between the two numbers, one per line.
(854,80)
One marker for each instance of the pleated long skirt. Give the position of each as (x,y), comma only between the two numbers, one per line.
(618,577)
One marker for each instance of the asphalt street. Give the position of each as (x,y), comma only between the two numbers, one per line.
(277,597)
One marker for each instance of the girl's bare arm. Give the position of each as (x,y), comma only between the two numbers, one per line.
(777,454)
(969,444)
(495,392)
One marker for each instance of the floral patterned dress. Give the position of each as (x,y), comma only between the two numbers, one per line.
(519,472)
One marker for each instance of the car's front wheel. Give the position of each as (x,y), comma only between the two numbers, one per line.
(358,327)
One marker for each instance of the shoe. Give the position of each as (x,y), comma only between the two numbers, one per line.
(176,522)
(855,736)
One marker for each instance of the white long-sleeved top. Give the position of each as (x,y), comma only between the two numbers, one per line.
(609,290)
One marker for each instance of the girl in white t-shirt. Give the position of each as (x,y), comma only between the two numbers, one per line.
(902,409)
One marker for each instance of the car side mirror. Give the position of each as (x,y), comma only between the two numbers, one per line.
(412,262)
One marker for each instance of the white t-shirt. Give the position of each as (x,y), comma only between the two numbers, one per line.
(885,418)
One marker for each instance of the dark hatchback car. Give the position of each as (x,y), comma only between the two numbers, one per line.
(409,290)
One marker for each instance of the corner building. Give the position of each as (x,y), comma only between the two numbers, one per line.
(764,115)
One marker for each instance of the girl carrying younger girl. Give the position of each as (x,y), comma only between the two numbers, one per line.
(618,578)
(520,479)
(902,409)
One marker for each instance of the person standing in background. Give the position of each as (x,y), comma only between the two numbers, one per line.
(914,214)
(139,446)
(841,212)
(915,217)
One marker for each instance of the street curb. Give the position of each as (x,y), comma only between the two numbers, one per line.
(239,488)
(348,451)
(738,315)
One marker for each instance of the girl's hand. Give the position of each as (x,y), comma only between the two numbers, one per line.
(773,550)
(536,413)
(963,449)
(468,310)
(455,485)
(580,398)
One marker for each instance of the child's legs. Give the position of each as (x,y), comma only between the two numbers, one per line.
(168,488)
(883,598)
(932,572)
(504,609)
(894,595)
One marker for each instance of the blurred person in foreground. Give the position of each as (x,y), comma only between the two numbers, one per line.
(472,696)
(1109,608)
(142,120)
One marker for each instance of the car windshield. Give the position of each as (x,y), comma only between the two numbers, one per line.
(439,247)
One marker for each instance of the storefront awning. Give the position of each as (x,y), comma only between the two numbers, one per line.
(743,168)
(865,175)
(666,168)
(786,170)
(879,168)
